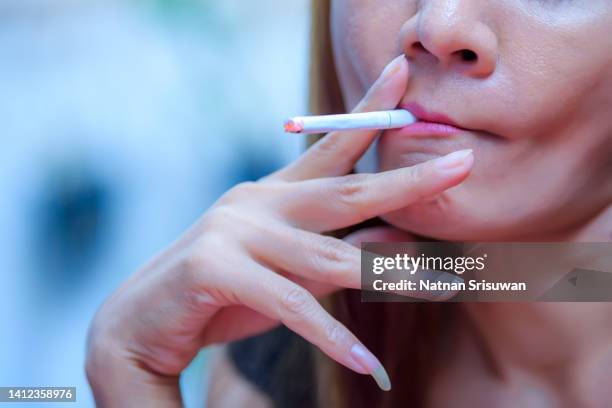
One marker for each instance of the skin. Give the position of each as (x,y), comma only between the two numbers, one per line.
(266,235)
(536,102)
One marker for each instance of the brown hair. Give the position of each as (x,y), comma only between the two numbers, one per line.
(407,337)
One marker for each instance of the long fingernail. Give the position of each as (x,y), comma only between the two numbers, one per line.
(455,161)
(355,365)
(371,364)
(392,67)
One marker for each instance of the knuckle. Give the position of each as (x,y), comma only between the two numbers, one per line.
(102,342)
(335,333)
(222,217)
(351,189)
(219,218)
(195,266)
(332,254)
(416,179)
(192,263)
(255,194)
(228,220)
(296,303)
(246,226)
(97,337)
(330,145)
(352,192)
(241,192)
(416,174)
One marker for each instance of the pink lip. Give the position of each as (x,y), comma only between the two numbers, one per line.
(425,116)
(429,123)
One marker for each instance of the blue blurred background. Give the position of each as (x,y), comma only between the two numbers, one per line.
(121,122)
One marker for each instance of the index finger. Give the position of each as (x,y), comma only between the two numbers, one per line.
(331,203)
(337,152)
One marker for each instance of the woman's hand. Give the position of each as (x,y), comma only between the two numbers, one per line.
(257,259)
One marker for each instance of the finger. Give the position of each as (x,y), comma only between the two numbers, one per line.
(234,323)
(332,203)
(327,260)
(278,298)
(309,255)
(237,322)
(337,152)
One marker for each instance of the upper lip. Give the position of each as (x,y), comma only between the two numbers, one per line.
(424,115)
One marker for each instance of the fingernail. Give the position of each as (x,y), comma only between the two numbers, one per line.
(355,365)
(392,67)
(371,365)
(456,160)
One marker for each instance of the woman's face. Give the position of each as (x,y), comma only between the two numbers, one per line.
(527,82)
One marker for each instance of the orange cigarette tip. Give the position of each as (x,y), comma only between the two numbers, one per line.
(293,126)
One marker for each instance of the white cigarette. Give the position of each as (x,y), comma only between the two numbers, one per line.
(390,119)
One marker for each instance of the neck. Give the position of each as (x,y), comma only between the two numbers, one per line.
(567,345)
(539,335)
(564,345)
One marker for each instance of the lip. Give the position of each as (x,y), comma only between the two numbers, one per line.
(429,123)
(425,116)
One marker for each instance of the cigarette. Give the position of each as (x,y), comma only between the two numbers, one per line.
(390,119)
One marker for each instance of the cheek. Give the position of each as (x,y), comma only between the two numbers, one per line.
(364,40)
(557,72)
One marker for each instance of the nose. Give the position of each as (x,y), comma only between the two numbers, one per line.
(452,34)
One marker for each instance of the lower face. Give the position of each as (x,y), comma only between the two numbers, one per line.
(538,117)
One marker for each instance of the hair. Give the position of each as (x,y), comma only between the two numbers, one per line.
(410,339)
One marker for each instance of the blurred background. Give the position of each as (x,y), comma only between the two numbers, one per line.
(121,122)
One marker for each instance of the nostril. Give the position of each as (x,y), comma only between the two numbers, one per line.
(417,46)
(468,55)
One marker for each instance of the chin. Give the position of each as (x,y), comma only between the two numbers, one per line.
(440,219)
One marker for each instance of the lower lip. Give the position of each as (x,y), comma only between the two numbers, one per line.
(428,129)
